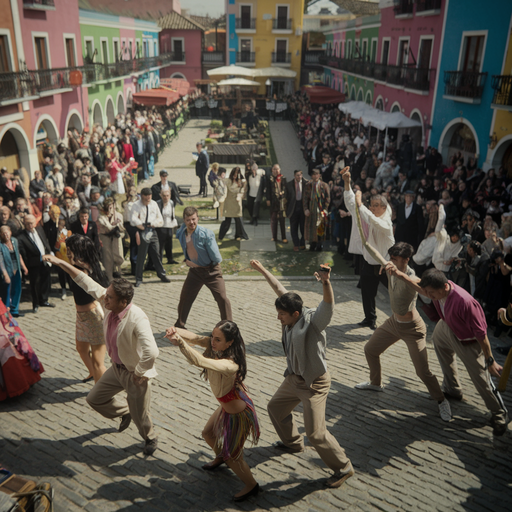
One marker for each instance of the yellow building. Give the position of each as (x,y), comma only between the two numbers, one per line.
(500,147)
(266,34)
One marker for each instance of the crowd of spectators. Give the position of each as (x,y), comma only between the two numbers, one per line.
(78,189)
(457,217)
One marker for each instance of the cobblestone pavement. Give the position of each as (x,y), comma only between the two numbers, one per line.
(405,457)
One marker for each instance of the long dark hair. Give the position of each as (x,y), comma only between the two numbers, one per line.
(236,352)
(84,250)
(235,172)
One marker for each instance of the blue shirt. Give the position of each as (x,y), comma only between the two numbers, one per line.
(205,244)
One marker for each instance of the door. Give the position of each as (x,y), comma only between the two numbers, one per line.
(281,47)
(245,16)
(374,51)
(41,52)
(472,54)
(70,52)
(282,17)
(5,66)
(425,53)
(364,53)
(104,52)
(116,51)
(245,50)
(385,53)
(178,50)
(403,49)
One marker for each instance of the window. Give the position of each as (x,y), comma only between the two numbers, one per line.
(385,53)
(282,17)
(364,53)
(89,50)
(70,52)
(357,53)
(245,50)
(41,52)
(116,51)
(373,56)
(145,48)
(104,51)
(245,16)
(5,61)
(130,49)
(137,54)
(472,51)
(155,49)
(281,47)
(178,49)
(349,49)
(425,53)
(403,50)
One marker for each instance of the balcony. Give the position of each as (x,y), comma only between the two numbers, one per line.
(502,85)
(242,24)
(178,57)
(39,5)
(214,57)
(464,86)
(245,58)
(282,25)
(313,57)
(281,58)
(428,7)
(403,8)
(31,84)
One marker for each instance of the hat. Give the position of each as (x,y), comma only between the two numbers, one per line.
(163,172)
(95,190)
(57,166)
(409,192)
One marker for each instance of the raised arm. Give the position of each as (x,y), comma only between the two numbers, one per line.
(274,283)
(193,339)
(64,265)
(412,281)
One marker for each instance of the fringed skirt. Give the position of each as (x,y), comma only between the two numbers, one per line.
(89,326)
(232,430)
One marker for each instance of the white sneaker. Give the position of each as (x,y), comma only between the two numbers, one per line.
(368,386)
(445,410)
(63,295)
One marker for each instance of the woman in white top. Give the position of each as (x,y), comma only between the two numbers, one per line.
(225,367)
(235,190)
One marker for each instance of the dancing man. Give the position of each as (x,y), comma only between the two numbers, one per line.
(203,257)
(307,379)
(461,331)
(404,324)
(133,351)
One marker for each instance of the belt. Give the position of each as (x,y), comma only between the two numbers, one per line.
(120,366)
(469,342)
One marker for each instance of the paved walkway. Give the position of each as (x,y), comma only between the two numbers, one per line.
(287,148)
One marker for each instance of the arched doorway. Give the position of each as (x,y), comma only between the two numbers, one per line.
(417,135)
(46,132)
(129,99)
(120,104)
(360,96)
(353,93)
(396,107)
(379,104)
(458,136)
(109,108)
(502,155)
(97,115)
(74,122)
(368,99)
(14,149)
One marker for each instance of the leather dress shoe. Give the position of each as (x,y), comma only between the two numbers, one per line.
(18,315)
(126,419)
(165,279)
(172,262)
(138,283)
(47,305)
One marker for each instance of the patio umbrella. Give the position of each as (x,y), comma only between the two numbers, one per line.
(231,70)
(239,81)
(274,72)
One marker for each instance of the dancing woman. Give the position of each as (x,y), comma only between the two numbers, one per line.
(90,341)
(224,366)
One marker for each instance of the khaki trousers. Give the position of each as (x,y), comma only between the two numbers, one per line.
(102,398)
(294,391)
(447,345)
(414,334)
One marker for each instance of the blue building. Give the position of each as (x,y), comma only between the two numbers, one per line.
(475,38)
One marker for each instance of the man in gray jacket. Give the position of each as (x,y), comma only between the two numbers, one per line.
(307,379)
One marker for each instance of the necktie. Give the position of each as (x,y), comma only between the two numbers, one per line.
(298,193)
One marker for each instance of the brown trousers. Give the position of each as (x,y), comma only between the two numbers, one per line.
(414,334)
(196,279)
(102,398)
(447,345)
(291,393)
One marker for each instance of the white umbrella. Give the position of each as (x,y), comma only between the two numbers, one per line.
(231,70)
(238,81)
(275,72)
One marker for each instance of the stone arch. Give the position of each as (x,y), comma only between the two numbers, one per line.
(109,110)
(360,94)
(379,103)
(368,98)
(120,103)
(46,128)
(396,107)
(178,75)
(416,115)
(451,132)
(74,120)
(353,92)
(14,147)
(97,113)
(501,151)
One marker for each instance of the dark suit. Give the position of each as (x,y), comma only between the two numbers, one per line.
(411,229)
(295,212)
(39,273)
(201,170)
(175,194)
(92,232)
(142,158)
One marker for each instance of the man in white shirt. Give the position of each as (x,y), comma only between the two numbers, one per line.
(378,231)
(146,217)
(256,187)
(165,232)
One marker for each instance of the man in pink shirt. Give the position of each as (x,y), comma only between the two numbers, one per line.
(461,331)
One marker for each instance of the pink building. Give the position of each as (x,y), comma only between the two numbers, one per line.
(183,37)
(409,50)
(51,42)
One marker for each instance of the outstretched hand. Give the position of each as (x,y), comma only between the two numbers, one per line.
(256,265)
(324,275)
(390,268)
(50,258)
(172,335)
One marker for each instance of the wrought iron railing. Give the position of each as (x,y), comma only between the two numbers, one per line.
(281,58)
(178,56)
(281,24)
(464,84)
(313,57)
(403,7)
(502,85)
(428,5)
(246,57)
(216,57)
(245,23)
(17,85)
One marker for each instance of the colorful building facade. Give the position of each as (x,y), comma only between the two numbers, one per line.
(266,33)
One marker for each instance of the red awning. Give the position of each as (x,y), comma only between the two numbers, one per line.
(156,97)
(323,95)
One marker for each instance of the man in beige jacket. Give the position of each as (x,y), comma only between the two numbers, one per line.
(132,349)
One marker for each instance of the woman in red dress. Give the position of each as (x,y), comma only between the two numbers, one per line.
(19,365)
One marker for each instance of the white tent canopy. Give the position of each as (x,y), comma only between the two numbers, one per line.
(274,72)
(231,70)
(239,81)
(377,118)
